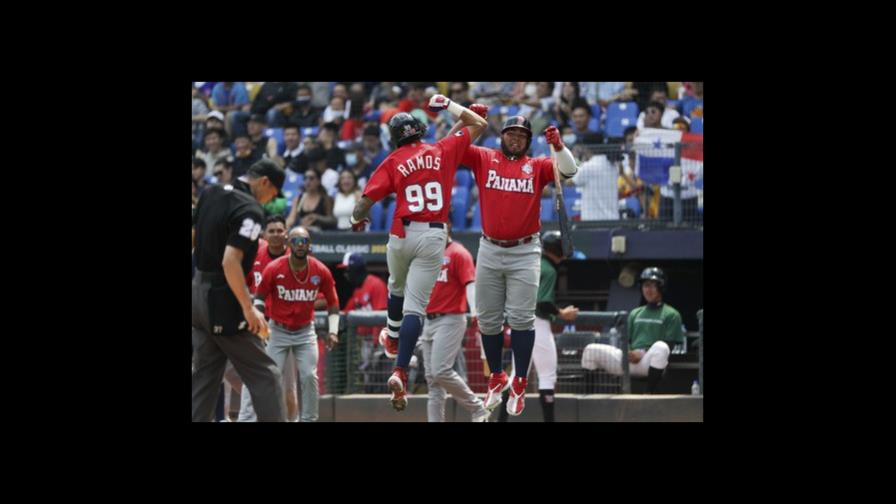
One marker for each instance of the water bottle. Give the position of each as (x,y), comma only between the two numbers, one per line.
(695,388)
(614,337)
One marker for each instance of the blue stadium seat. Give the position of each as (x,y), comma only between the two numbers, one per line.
(460,200)
(547,209)
(697,125)
(540,147)
(595,111)
(312,131)
(292,186)
(376,216)
(510,110)
(621,115)
(476,225)
(634,204)
(676,104)
(492,143)
(594,124)
(276,134)
(463,178)
(572,197)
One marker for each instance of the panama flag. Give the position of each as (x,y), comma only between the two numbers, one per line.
(656,153)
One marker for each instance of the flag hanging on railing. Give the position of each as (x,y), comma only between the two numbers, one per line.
(656,153)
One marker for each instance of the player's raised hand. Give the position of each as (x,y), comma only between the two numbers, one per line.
(480,109)
(439,103)
(552,135)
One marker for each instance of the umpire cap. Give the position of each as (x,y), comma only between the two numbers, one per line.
(269,169)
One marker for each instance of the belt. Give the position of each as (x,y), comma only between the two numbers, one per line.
(433,316)
(439,225)
(510,243)
(289,328)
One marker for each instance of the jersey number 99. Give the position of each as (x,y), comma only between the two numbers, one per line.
(416,201)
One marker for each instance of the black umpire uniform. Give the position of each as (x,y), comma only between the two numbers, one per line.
(230,215)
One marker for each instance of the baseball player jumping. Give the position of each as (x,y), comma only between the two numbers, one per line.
(507,266)
(421,176)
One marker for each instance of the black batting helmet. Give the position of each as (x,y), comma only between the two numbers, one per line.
(519,122)
(655,274)
(551,242)
(405,128)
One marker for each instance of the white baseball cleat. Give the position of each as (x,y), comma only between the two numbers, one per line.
(517,400)
(496,384)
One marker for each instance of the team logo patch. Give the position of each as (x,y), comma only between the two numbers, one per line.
(459,133)
(527,169)
(408,130)
(366,297)
(315,280)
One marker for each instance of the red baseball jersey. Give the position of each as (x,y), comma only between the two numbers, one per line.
(252,279)
(292,293)
(262,259)
(509,191)
(449,294)
(371,295)
(421,176)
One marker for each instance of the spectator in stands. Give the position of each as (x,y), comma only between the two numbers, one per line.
(385,92)
(653,330)
(289,158)
(200,111)
(344,203)
(304,113)
(353,126)
(213,139)
(215,120)
(538,105)
(340,90)
(195,193)
(244,155)
(645,90)
(614,91)
(459,92)
(261,145)
(629,185)
(200,174)
(334,155)
(223,171)
(569,99)
(581,116)
(681,124)
(336,111)
(669,114)
(372,153)
(414,97)
(597,179)
(653,115)
(232,99)
(314,209)
(492,93)
(692,103)
(277,100)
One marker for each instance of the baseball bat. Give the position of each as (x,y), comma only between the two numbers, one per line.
(565,237)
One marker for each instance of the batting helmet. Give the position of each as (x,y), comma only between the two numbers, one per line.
(655,274)
(519,122)
(405,128)
(551,242)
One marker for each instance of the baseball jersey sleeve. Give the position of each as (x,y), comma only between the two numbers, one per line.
(545,168)
(456,145)
(472,159)
(380,184)
(244,227)
(267,279)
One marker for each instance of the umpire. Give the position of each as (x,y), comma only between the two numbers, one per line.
(226,225)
